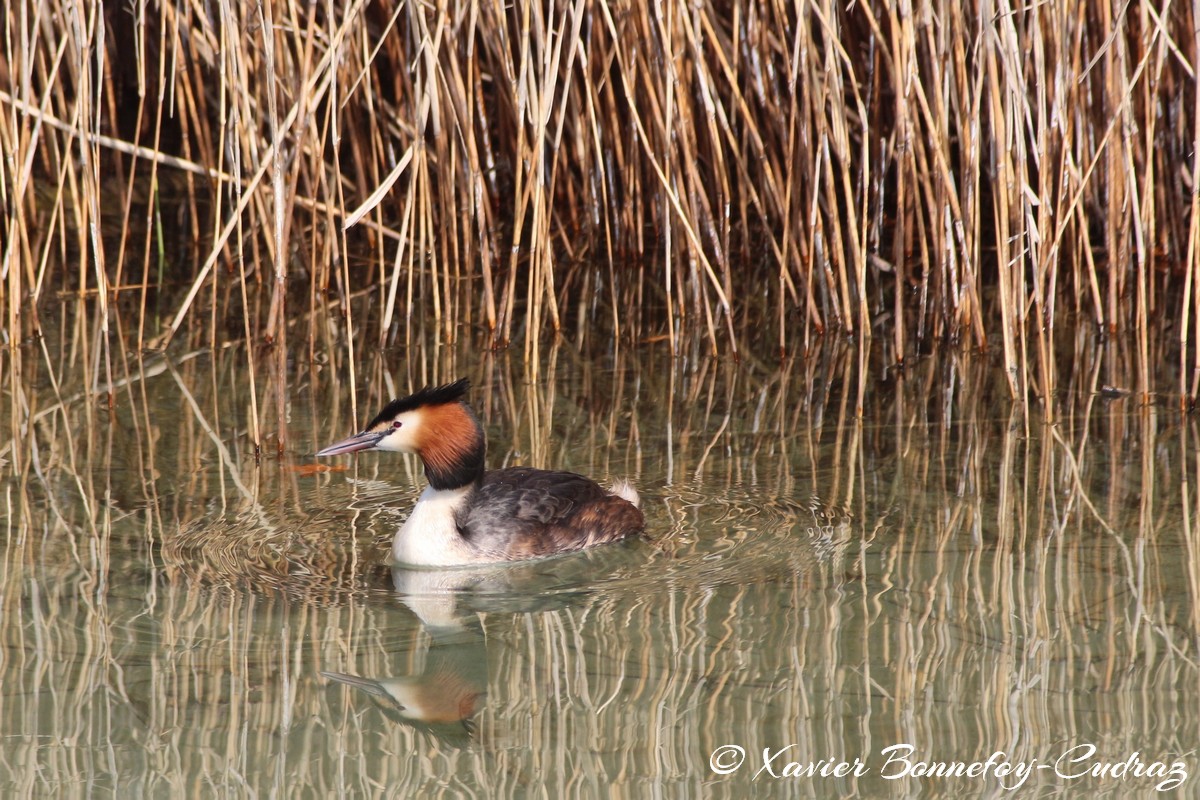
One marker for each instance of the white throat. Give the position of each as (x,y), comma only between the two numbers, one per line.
(430,537)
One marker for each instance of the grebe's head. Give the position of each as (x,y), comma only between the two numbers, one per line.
(436,424)
(442,701)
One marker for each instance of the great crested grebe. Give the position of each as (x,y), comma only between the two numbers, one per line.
(468,515)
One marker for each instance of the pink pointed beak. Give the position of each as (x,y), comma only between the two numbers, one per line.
(359,441)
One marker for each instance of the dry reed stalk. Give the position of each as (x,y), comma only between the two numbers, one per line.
(1189,336)
(939,172)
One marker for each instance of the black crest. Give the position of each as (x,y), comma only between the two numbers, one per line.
(429,396)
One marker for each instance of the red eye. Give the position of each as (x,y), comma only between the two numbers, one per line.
(396,424)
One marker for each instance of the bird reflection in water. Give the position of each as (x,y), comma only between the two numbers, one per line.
(444,697)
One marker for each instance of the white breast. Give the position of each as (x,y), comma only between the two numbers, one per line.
(429,537)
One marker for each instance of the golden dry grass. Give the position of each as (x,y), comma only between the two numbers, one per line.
(750,175)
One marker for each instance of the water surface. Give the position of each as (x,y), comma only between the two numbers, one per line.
(185,615)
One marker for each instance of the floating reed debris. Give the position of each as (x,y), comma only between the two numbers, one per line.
(749,175)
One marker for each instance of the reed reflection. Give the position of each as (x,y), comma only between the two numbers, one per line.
(967,576)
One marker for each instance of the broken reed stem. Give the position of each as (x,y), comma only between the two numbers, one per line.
(758,171)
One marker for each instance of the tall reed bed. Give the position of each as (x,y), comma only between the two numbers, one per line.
(748,175)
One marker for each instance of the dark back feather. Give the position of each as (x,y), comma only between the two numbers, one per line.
(523,512)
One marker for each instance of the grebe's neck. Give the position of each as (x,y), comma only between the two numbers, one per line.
(452,446)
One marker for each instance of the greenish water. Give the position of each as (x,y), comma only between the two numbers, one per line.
(942,573)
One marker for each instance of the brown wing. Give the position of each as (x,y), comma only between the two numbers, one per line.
(526,513)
